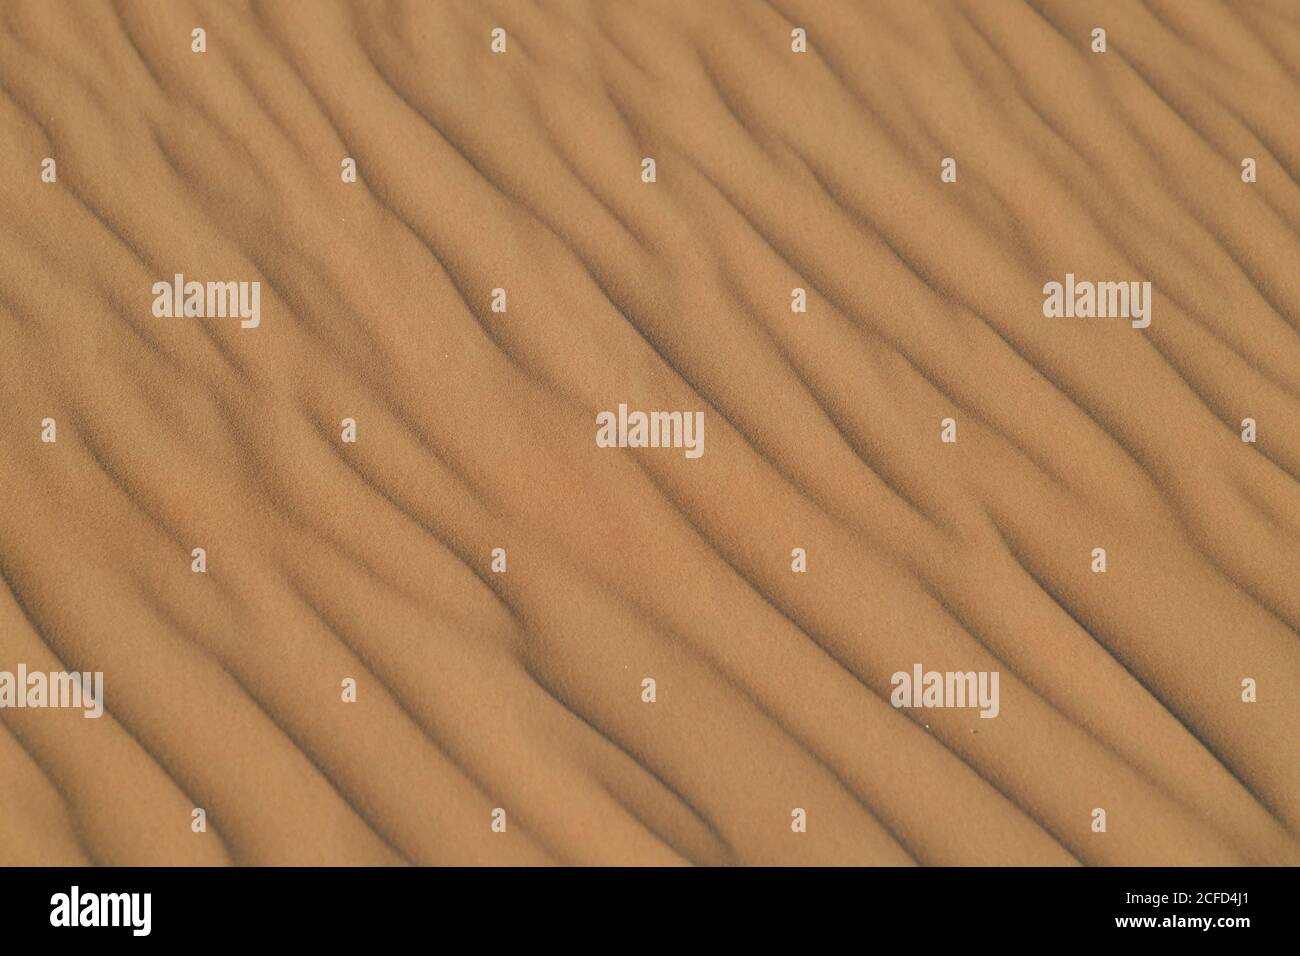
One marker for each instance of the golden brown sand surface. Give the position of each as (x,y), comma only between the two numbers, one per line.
(523,690)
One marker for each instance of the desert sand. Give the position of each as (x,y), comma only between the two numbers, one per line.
(478,689)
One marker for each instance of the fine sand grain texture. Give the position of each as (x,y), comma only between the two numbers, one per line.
(522,689)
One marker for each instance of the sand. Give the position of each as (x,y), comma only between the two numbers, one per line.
(479,690)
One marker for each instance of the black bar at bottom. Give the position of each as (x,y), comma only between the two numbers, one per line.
(672,907)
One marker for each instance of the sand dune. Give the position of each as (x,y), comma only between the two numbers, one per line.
(478,689)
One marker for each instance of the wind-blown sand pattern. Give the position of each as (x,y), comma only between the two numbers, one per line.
(475,430)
